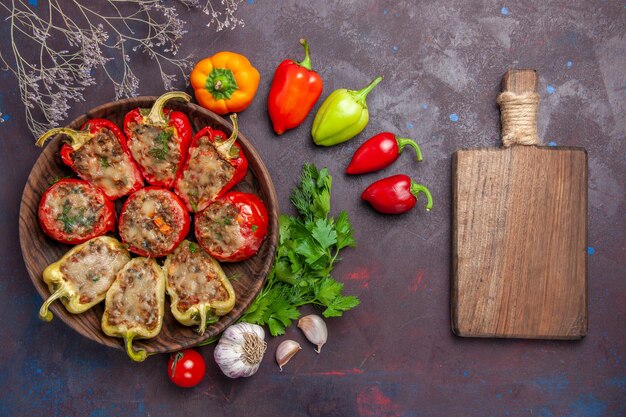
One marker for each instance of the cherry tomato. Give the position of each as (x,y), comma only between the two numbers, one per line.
(186,368)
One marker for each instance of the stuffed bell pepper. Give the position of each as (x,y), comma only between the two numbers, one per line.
(158,139)
(83,275)
(134,304)
(199,290)
(233,227)
(153,221)
(98,153)
(215,164)
(73,211)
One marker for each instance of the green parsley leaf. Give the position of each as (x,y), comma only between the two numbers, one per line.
(339,305)
(308,247)
(324,233)
(344,231)
(162,145)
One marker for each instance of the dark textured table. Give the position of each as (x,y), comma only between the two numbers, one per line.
(395,354)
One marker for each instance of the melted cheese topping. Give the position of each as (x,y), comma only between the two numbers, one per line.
(103,162)
(74,209)
(192,275)
(217,228)
(91,270)
(152,221)
(155,149)
(134,298)
(204,176)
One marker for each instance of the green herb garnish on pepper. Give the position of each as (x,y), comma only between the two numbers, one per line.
(308,248)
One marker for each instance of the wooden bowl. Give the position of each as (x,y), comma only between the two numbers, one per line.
(39,250)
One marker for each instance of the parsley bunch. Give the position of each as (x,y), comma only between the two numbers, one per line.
(308,248)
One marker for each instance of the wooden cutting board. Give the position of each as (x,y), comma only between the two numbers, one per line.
(519,238)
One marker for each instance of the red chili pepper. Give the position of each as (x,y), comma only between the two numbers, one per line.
(250,222)
(396,194)
(75,220)
(379,152)
(227,149)
(96,156)
(158,164)
(295,89)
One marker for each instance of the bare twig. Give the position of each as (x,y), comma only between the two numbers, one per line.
(100,35)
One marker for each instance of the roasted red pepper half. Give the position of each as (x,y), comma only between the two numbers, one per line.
(215,165)
(294,91)
(379,152)
(73,211)
(159,139)
(396,194)
(233,227)
(98,153)
(153,222)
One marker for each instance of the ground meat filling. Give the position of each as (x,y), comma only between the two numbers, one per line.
(218,230)
(155,149)
(91,270)
(205,175)
(152,221)
(134,303)
(75,209)
(192,275)
(103,162)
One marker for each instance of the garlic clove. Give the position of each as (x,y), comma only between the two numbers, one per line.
(314,329)
(285,351)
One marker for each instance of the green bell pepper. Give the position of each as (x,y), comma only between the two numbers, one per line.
(342,116)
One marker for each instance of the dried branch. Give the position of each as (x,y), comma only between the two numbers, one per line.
(99,36)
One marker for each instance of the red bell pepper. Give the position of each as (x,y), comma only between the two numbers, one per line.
(198,186)
(106,161)
(233,227)
(73,211)
(294,91)
(379,152)
(159,139)
(153,222)
(396,194)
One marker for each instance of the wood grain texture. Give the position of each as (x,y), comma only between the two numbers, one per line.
(519,238)
(39,251)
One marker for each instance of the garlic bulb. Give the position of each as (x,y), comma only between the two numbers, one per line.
(240,350)
(314,329)
(285,351)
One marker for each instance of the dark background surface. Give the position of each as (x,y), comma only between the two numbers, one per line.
(395,354)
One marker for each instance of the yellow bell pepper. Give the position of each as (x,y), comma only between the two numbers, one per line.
(225,82)
(134,305)
(198,288)
(82,277)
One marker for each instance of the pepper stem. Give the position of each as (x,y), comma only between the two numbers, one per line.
(46,315)
(138,355)
(77,137)
(419,188)
(225,147)
(402,142)
(306,62)
(361,95)
(156,115)
(202,310)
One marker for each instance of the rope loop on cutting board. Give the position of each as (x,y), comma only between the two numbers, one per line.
(518,113)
